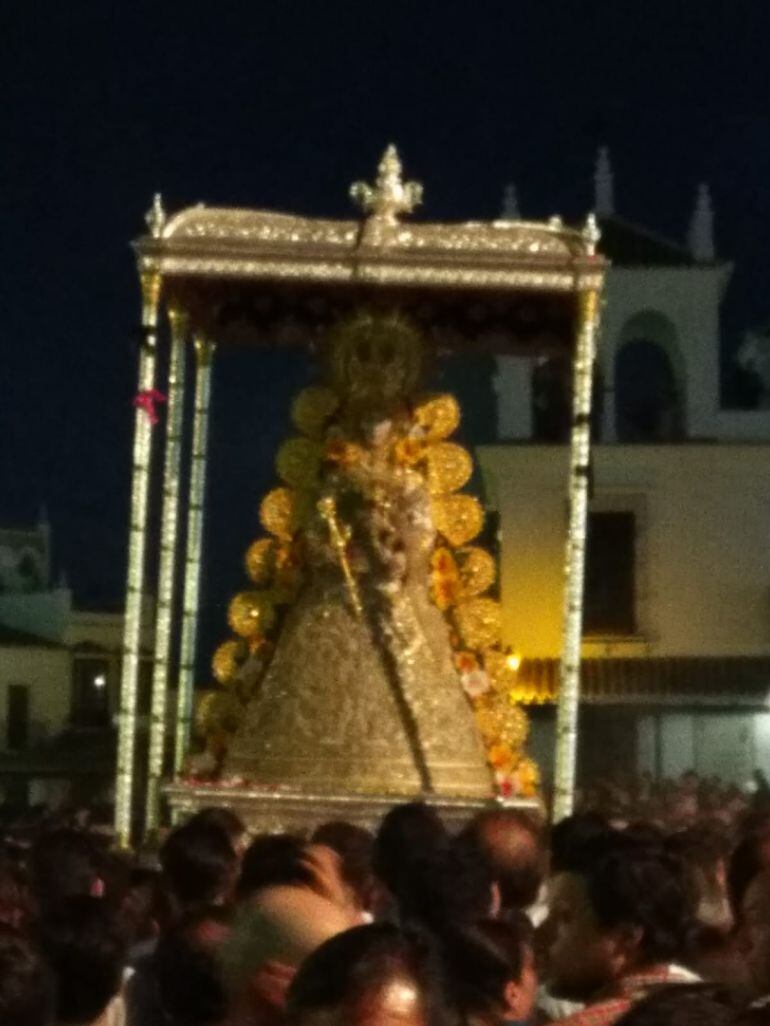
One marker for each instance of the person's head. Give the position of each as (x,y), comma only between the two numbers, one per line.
(191,987)
(512,843)
(85,952)
(374,975)
(446,889)
(570,835)
(225,819)
(684,1004)
(146,908)
(622,907)
(704,852)
(64,864)
(26,983)
(355,846)
(199,863)
(272,860)
(754,930)
(407,832)
(280,925)
(491,970)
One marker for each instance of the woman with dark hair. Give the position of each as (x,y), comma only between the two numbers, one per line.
(491,971)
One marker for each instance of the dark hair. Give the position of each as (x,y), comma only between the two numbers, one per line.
(407,832)
(146,907)
(189,973)
(633,883)
(64,863)
(570,835)
(86,953)
(349,970)
(272,859)
(684,1004)
(480,961)
(355,847)
(199,863)
(26,984)
(445,889)
(512,843)
(222,817)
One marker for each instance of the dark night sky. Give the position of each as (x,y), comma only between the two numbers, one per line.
(282,105)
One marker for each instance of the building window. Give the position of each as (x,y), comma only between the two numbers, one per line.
(17,719)
(90,693)
(610,583)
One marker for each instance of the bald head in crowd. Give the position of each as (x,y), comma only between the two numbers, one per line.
(512,843)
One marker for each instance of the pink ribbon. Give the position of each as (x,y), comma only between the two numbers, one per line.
(147,400)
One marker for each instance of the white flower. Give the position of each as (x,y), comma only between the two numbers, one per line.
(475,682)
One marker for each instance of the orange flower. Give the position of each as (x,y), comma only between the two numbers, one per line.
(408,451)
(347,454)
(500,756)
(445,579)
(465,662)
(443,561)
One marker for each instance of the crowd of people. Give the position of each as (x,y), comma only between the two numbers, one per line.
(507,922)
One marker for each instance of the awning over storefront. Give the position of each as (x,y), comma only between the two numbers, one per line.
(684,680)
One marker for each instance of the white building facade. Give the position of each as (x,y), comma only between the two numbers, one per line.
(677,618)
(59,679)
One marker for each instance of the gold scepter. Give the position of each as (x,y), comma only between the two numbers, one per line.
(327,507)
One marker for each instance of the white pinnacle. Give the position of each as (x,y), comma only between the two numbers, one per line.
(510,211)
(701,235)
(604,185)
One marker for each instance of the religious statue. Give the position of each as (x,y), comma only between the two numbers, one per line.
(367,659)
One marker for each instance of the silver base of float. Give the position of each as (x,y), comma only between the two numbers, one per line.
(293,811)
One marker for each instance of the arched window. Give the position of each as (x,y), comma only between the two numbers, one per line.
(552,400)
(648,382)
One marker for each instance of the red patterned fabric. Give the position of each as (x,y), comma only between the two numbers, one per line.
(625,993)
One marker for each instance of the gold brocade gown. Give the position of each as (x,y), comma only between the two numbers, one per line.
(367,704)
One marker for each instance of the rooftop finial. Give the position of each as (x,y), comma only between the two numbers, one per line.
(390,195)
(510,210)
(701,235)
(591,234)
(604,184)
(156,216)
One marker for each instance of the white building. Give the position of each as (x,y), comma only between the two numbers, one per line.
(59,678)
(677,620)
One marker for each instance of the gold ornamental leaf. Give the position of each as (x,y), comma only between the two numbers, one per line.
(251,614)
(312,409)
(227,660)
(477,570)
(219,712)
(299,463)
(438,416)
(260,561)
(479,622)
(501,674)
(501,722)
(280,513)
(449,467)
(459,518)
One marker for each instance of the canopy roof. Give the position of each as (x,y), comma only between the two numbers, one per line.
(264,276)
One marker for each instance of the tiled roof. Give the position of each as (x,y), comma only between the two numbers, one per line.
(734,680)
